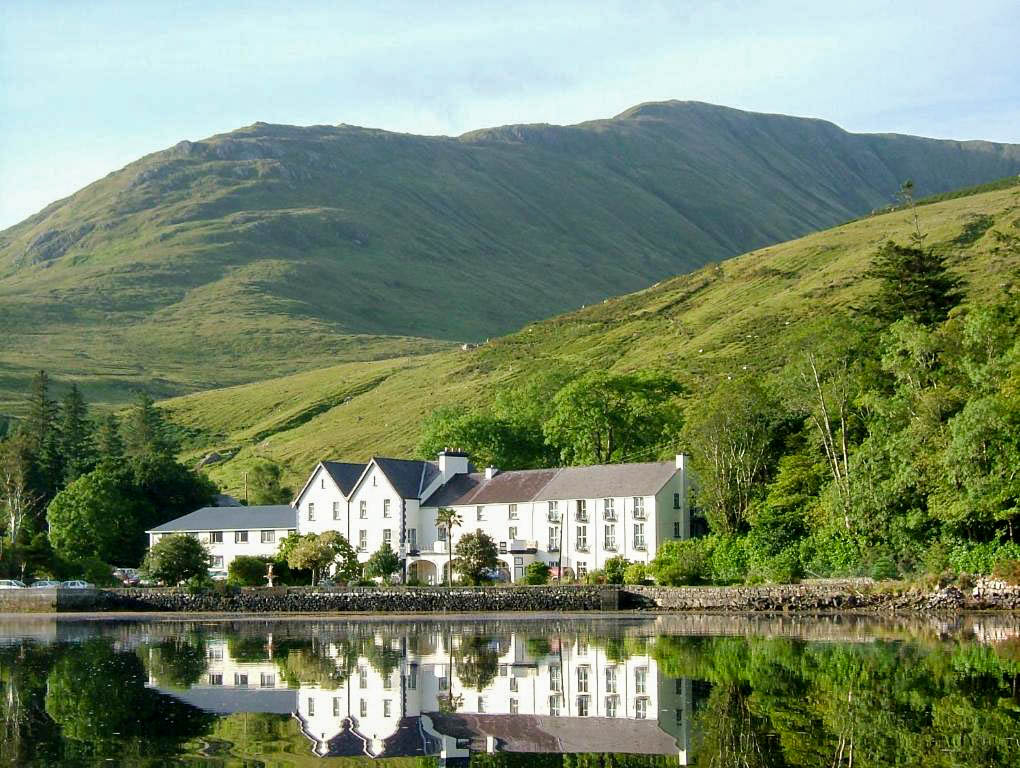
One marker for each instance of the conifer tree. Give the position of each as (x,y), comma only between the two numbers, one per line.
(145,429)
(42,438)
(109,444)
(76,446)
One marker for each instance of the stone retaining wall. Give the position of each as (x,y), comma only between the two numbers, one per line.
(364,599)
(46,600)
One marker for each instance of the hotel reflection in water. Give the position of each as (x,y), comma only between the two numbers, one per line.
(557,695)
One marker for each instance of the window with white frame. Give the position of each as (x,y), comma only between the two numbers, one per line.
(386,508)
(513,707)
(555,679)
(240,537)
(676,529)
(554,511)
(336,706)
(363,509)
(582,569)
(479,513)
(387,538)
(412,539)
(336,510)
(267,680)
(481,705)
(362,677)
(641,708)
(581,542)
(639,507)
(217,561)
(512,511)
(554,538)
(215,537)
(554,705)
(611,702)
(268,537)
(582,678)
(311,707)
(610,675)
(240,680)
(582,706)
(639,535)
(387,708)
(441,533)
(512,532)
(363,708)
(513,683)
(215,679)
(387,682)
(610,537)
(609,509)
(641,681)
(362,540)
(581,510)
(676,501)
(311,511)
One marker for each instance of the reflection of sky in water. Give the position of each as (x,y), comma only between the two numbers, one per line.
(666,690)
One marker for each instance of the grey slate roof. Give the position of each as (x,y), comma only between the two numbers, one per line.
(608,480)
(344,474)
(407,476)
(548,484)
(233,518)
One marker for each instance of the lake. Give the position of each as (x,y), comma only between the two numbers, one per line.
(521,691)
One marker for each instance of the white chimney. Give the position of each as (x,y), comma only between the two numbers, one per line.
(452,463)
(491,472)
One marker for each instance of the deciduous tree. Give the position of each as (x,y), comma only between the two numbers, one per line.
(476,555)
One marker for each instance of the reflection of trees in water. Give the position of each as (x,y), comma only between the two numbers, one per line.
(176,662)
(589,760)
(74,705)
(476,660)
(785,702)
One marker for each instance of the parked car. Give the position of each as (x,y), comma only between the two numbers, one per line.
(11,584)
(46,584)
(218,575)
(76,584)
(128,577)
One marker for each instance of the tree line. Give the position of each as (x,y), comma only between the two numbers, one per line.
(78,491)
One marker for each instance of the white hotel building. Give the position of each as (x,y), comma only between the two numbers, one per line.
(577,517)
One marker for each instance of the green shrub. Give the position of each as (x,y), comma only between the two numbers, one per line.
(249,571)
(1008,571)
(981,558)
(682,562)
(597,576)
(536,573)
(782,568)
(94,571)
(636,573)
(883,568)
(615,568)
(830,552)
(729,559)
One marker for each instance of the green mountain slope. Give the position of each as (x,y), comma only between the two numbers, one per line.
(274,248)
(717,321)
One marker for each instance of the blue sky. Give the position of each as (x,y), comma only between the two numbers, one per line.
(87,87)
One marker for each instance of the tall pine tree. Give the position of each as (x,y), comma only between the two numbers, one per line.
(76,446)
(145,430)
(109,443)
(42,438)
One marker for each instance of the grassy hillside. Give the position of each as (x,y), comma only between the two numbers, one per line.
(273,249)
(716,321)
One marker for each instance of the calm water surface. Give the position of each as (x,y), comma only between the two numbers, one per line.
(683,690)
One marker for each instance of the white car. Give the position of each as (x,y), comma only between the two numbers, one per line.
(46,585)
(12,584)
(218,575)
(76,584)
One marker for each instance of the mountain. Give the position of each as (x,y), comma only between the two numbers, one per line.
(275,248)
(741,315)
